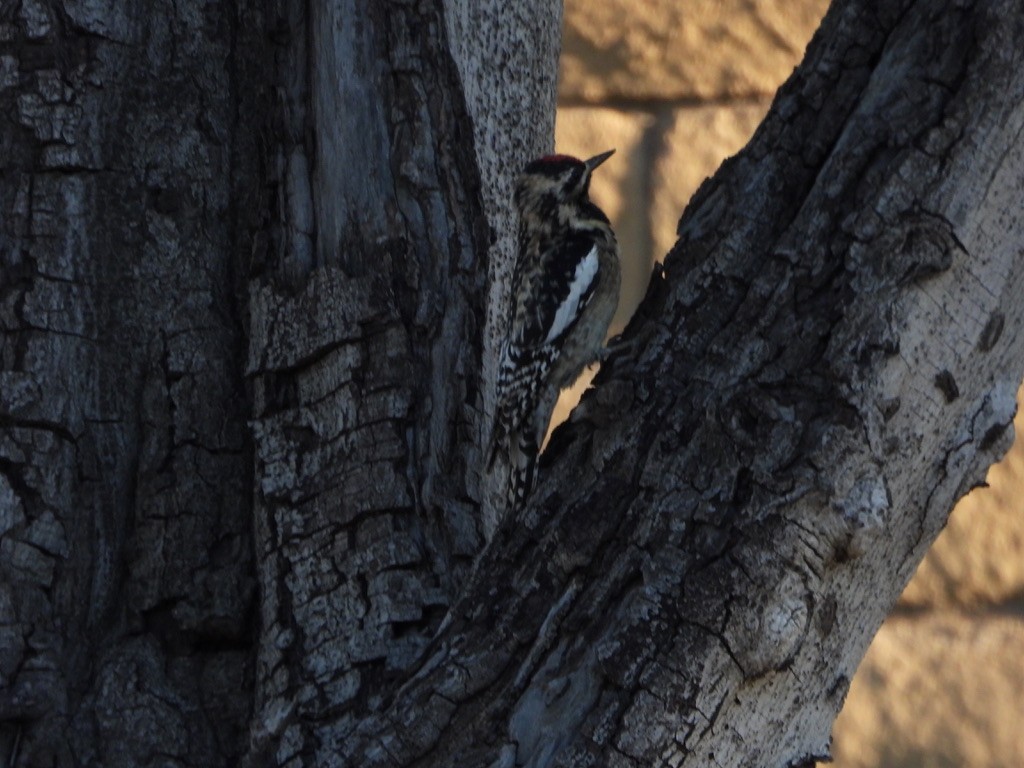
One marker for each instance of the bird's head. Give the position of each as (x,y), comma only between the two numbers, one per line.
(560,178)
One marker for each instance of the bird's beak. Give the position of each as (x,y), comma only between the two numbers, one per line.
(596,160)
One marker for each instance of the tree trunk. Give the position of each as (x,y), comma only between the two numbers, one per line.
(126,553)
(245,372)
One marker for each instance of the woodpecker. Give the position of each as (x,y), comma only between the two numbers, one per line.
(565,289)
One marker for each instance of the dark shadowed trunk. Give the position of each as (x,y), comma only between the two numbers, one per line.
(252,264)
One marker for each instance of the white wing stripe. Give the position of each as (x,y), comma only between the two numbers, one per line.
(586,271)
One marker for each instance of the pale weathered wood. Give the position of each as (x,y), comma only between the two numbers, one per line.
(506,54)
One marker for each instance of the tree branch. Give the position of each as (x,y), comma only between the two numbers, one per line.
(711,549)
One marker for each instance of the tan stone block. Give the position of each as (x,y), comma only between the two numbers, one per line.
(665,49)
(937,690)
(695,142)
(979,557)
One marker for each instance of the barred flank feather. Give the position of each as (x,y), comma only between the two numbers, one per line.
(522,470)
(520,379)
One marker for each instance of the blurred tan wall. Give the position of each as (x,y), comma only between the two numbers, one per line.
(676,87)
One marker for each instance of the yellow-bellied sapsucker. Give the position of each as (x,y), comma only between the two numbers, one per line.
(565,288)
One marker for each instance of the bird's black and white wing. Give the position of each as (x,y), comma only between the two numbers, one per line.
(549,298)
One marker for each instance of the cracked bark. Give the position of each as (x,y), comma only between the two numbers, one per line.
(126,588)
(244,366)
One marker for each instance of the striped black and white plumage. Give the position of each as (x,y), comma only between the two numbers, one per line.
(565,288)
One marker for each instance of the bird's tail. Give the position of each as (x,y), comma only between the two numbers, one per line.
(522,469)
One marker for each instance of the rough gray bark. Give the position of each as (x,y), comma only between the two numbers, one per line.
(367,364)
(827,363)
(126,560)
(244,261)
